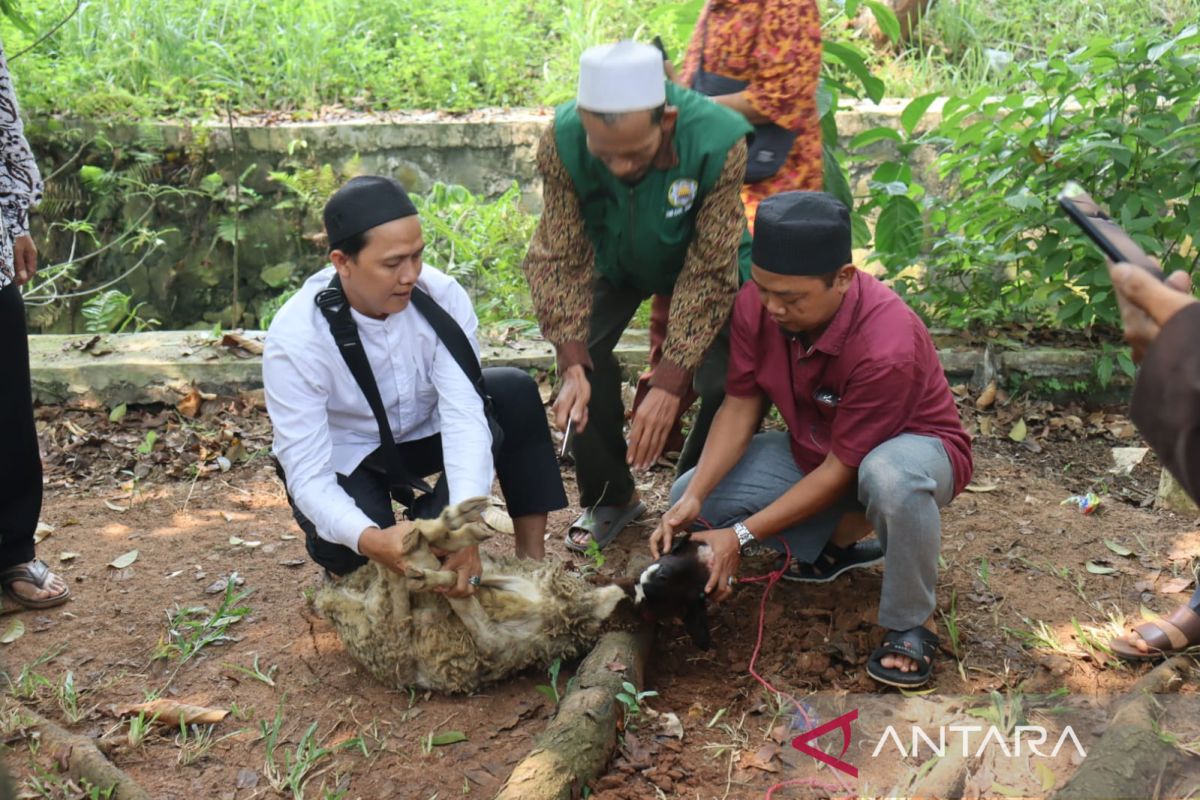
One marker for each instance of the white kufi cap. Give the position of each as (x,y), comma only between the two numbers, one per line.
(626,76)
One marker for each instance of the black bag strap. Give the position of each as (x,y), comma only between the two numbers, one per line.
(456,342)
(332,303)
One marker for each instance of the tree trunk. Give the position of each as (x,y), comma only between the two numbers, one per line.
(1130,758)
(579,742)
(82,759)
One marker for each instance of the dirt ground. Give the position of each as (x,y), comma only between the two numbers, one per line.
(1032,587)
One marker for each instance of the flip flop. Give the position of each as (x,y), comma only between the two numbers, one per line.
(920,644)
(1165,636)
(37,573)
(603,523)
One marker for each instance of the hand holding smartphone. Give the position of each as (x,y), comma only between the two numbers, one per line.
(1115,243)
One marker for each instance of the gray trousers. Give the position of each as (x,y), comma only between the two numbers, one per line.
(901,485)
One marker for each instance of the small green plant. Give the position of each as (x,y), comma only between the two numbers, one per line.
(148,443)
(950,620)
(68,699)
(29,682)
(254,671)
(194,742)
(551,691)
(298,764)
(594,552)
(985,572)
(632,699)
(114,311)
(191,629)
(1003,712)
(139,727)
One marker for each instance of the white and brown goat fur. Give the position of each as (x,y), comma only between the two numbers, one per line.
(524,613)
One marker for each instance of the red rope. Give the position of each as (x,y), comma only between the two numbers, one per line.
(772,578)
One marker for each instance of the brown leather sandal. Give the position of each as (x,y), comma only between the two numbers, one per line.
(1165,636)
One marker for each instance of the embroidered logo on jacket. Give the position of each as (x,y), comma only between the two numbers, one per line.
(681,195)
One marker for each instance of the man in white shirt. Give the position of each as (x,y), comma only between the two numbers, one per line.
(328,442)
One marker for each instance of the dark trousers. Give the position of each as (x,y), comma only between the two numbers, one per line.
(20,461)
(526,466)
(600,468)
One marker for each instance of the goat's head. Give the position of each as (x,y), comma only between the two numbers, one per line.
(673,588)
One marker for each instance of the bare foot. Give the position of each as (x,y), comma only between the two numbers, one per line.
(905,663)
(582,538)
(26,591)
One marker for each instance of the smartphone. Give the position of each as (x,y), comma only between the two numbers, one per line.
(1108,236)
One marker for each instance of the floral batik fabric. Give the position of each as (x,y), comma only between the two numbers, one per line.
(774,45)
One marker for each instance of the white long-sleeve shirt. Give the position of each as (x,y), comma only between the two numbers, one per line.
(323,425)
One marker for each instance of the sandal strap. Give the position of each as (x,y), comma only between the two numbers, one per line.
(36,572)
(1178,631)
(918,643)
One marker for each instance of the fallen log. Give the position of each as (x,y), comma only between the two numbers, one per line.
(1130,758)
(79,754)
(578,743)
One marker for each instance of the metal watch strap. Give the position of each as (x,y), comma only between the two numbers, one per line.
(744,535)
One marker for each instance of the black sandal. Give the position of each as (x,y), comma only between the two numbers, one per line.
(835,560)
(920,644)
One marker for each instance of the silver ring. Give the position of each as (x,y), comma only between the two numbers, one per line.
(474,580)
(731,580)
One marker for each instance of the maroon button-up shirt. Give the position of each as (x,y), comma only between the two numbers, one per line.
(872,375)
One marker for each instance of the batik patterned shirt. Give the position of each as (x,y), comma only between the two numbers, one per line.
(774,45)
(20,181)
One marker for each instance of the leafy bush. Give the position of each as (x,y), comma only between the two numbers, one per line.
(482,244)
(990,244)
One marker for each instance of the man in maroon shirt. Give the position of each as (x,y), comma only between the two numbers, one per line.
(873,436)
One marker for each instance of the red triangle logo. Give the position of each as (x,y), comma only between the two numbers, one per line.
(842,723)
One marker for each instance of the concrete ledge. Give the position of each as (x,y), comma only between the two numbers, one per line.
(164,366)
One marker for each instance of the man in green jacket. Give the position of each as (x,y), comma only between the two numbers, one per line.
(641,182)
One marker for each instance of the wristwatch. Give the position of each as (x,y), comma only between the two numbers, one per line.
(744,535)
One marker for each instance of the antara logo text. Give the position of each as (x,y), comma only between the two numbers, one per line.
(975,740)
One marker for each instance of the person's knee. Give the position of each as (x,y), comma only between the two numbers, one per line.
(512,390)
(680,486)
(885,485)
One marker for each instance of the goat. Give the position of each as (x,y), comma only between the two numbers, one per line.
(672,588)
(523,613)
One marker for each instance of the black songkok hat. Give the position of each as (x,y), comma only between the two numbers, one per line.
(363,203)
(801,233)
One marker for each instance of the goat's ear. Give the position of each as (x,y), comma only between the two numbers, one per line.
(695,622)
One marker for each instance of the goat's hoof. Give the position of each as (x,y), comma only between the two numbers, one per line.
(466,512)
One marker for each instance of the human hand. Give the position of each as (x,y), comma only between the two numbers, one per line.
(24,259)
(386,545)
(726,558)
(685,511)
(1147,303)
(574,394)
(651,426)
(467,564)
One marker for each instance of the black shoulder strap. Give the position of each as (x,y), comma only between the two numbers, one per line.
(332,303)
(455,340)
